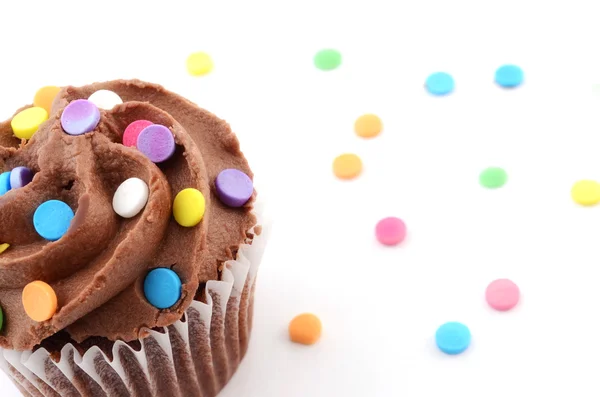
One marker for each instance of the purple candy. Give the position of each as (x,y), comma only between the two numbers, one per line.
(156,142)
(234,188)
(79,117)
(20,176)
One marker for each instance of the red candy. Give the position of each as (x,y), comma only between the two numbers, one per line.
(132,131)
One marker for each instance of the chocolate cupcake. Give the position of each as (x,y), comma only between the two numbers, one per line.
(129,245)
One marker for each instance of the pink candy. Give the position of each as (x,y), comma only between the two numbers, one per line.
(502,294)
(390,231)
(132,131)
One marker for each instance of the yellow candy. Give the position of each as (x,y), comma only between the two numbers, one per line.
(199,64)
(4,247)
(586,192)
(188,207)
(27,122)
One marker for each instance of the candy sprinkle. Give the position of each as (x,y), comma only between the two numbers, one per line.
(188,207)
(44,97)
(584,192)
(162,287)
(509,76)
(439,84)
(20,176)
(105,99)
(4,247)
(52,219)
(328,59)
(4,182)
(502,294)
(305,329)
(347,166)
(39,301)
(493,177)
(156,142)
(453,338)
(390,231)
(234,187)
(26,122)
(368,126)
(130,197)
(1,318)
(199,64)
(79,117)
(133,130)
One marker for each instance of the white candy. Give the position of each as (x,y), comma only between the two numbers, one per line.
(131,196)
(105,99)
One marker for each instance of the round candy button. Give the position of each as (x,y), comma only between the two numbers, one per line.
(188,207)
(328,59)
(585,192)
(162,287)
(199,64)
(52,219)
(156,142)
(105,99)
(234,187)
(390,231)
(4,247)
(4,183)
(39,301)
(453,338)
(502,294)
(347,166)
(131,196)
(79,117)
(45,96)
(20,176)
(509,76)
(305,329)
(368,126)
(26,122)
(133,130)
(439,83)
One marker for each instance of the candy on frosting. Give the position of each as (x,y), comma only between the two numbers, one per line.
(26,122)
(133,130)
(162,288)
(52,219)
(105,99)
(234,187)
(39,301)
(4,182)
(4,247)
(156,142)
(188,207)
(20,176)
(79,117)
(130,198)
(44,97)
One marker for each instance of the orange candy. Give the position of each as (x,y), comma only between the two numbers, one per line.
(39,301)
(347,166)
(368,126)
(305,329)
(45,96)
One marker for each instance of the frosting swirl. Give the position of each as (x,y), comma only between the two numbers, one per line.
(98,267)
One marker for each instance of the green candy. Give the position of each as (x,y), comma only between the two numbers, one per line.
(1,319)
(328,59)
(493,177)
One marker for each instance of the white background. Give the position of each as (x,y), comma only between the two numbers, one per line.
(380,306)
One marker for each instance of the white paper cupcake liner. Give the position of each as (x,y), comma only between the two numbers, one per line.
(195,356)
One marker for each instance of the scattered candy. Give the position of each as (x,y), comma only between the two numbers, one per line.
(26,122)
(439,83)
(156,142)
(79,117)
(45,96)
(234,187)
(4,182)
(584,192)
(188,207)
(20,176)
(199,64)
(368,126)
(131,196)
(390,231)
(105,99)
(509,76)
(52,219)
(133,130)
(347,166)
(328,59)
(162,287)
(39,301)
(453,338)
(493,177)
(4,247)
(502,294)
(305,329)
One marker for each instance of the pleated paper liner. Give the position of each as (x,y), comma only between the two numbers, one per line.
(195,356)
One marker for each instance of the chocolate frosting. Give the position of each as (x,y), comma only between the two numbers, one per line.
(97,268)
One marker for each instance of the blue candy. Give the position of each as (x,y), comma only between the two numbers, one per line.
(52,219)
(162,287)
(4,182)
(453,338)
(439,83)
(509,76)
